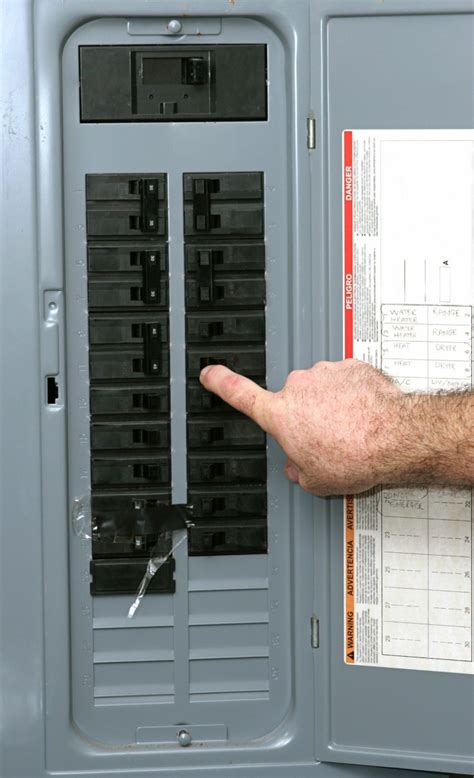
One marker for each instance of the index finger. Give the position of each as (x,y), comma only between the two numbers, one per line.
(243,394)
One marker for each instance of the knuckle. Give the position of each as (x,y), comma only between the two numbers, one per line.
(323,365)
(357,364)
(295,377)
(249,402)
(305,482)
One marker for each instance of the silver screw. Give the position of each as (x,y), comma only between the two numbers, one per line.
(174,26)
(184,738)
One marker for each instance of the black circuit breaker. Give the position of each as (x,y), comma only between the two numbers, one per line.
(173,83)
(129,372)
(225,324)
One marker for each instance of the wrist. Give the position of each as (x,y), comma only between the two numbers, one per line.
(393,454)
(427,439)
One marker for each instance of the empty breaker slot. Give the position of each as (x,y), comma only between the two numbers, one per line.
(225,324)
(129,379)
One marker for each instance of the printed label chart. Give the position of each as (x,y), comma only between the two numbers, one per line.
(427,347)
(426,573)
(427,534)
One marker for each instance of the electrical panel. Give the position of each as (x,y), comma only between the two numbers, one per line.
(173,189)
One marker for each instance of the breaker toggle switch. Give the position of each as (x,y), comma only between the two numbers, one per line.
(213,540)
(151,277)
(209,330)
(237,430)
(211,435)
(149,401)
(149,472)
(237,257)
(227,467)
(196,71)
(152,349)
(150,204)
(227,292)
(205,276)
(244,327)
(148,437)
(202,189)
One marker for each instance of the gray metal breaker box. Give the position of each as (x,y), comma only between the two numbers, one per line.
(171,198)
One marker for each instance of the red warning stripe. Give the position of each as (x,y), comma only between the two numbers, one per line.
(349,559)
(348,297)
(348,246)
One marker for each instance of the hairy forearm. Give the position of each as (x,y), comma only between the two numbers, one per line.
(345,427)
(431,440)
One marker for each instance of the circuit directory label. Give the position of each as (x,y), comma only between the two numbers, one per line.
(408,298)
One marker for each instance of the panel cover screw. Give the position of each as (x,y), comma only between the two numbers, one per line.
(174,26)
(184,737)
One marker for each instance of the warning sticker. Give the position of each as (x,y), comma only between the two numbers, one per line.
(408,223)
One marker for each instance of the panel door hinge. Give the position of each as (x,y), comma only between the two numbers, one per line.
(314,632)
(311,131)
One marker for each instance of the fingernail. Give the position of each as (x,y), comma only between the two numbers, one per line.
(204,371)
(292,473)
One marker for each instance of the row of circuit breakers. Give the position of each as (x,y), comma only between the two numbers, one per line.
(128,298)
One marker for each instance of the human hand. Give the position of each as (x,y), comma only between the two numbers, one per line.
(337,422)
